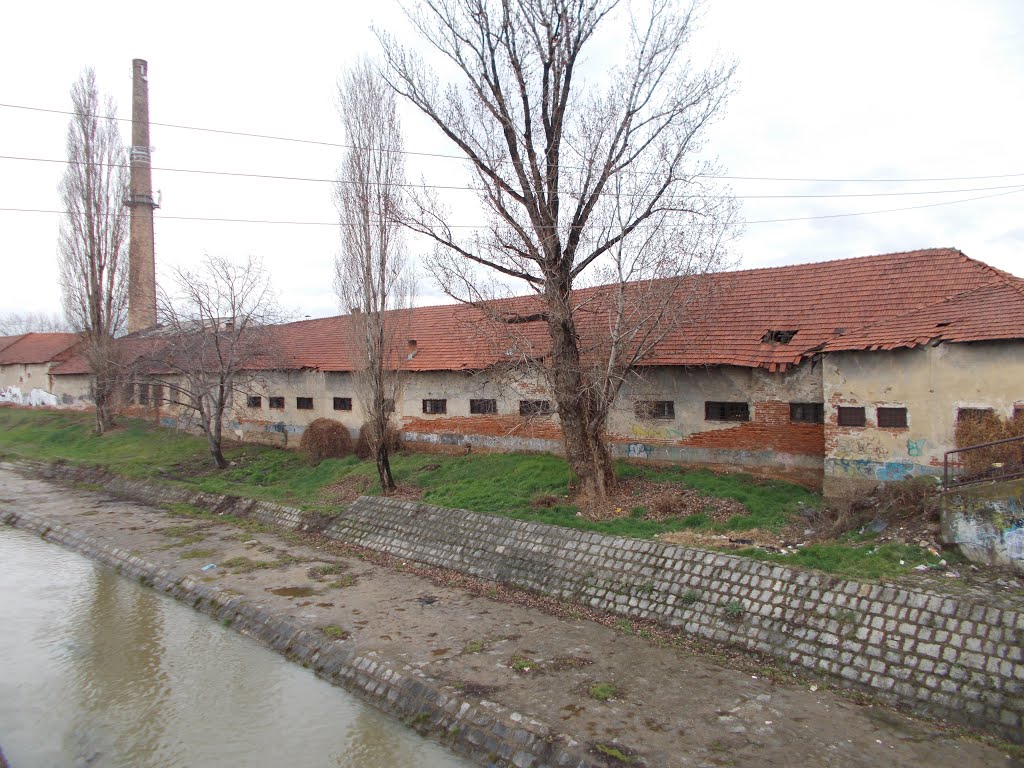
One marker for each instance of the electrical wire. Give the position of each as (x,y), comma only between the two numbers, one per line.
(463,158)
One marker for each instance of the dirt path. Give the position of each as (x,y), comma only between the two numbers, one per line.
(670,708)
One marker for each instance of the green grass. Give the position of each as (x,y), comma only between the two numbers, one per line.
(861,561)
(602,691)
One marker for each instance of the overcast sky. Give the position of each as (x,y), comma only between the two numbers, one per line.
(843,95)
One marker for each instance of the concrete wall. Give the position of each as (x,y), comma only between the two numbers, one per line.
(26,376)
(986,521)
(932,383)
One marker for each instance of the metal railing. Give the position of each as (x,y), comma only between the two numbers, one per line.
(998,460)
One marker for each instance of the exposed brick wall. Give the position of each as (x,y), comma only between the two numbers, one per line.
(768,429)
(488,425)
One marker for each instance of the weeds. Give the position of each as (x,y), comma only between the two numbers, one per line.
(602,691)
(194,554)
(335,632)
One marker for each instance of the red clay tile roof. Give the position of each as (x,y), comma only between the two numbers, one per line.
(6,341)
(872,301)
(36,347)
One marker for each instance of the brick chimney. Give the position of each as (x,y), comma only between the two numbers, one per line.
(141,255)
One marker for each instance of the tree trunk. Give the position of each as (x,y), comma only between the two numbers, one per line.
(387,480)
(582,416)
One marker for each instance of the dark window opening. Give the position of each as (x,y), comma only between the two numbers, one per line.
(1018,412)
(343,403)
(851,417)
(778,337)
(143,394)
(435,406)
(655,409)
(534,407)
(254,401)
(276,402)
(718,411)
(389,405)
(158,394)
(964,414)
(807,413)
(129,394)
(892,418)
(483,406)
(304,403)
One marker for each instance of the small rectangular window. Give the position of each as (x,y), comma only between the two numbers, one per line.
(726,411)
(276,402)
(851,416)
(435,406)
(143,394)
(892,418)
(158,394)
(129,394)
(534,407)
(963,414)
(655,409)
(254,401)
(807,413)
(343,403)
(304,403)
(483,406)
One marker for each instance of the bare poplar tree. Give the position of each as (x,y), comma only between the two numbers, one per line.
(216,340)
(372,271)
(583,181)
(92,253)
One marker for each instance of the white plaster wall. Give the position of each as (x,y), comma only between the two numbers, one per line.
(689,388)
(932,383)
(26,376)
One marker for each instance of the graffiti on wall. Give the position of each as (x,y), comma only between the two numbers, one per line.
(639,451)
(915,447)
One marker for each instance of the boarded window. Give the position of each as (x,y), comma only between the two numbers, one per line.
(534,407)
(726,411)
(143,394)
(892,418)
(304,403)
(254,401)
(655,409)
(435,406)
(964,414)
(807,413)
(276,402)
(343,403)
(851,416)
(483,406)
(158,394)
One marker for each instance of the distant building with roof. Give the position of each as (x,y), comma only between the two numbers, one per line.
(847,369)
(26,359)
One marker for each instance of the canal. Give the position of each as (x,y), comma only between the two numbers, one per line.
(97,671)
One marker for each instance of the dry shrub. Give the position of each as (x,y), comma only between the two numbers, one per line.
(912,499)
(326,439)
(392,440)
(987,428)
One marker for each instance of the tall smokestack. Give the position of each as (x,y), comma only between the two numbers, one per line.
(141,258)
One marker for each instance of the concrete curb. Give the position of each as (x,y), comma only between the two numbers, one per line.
(484,732)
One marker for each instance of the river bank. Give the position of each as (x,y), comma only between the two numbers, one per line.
(500,682)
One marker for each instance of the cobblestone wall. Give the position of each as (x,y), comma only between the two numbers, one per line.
(940,655)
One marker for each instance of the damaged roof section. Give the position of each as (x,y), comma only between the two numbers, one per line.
(759,318)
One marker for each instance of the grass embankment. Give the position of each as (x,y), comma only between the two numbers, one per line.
(522,486)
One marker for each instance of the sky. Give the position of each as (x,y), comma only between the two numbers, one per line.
(837,107)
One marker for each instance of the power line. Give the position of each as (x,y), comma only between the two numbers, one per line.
(487,226)
(445,156)
(274,177)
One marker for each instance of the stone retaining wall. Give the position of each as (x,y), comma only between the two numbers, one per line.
(485,732)
(937,654)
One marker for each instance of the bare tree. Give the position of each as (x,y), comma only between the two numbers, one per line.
(372,271)
(582,182)
(216,340)
(15,323)
(92,253)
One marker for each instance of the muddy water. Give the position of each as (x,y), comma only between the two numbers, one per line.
(96,670)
